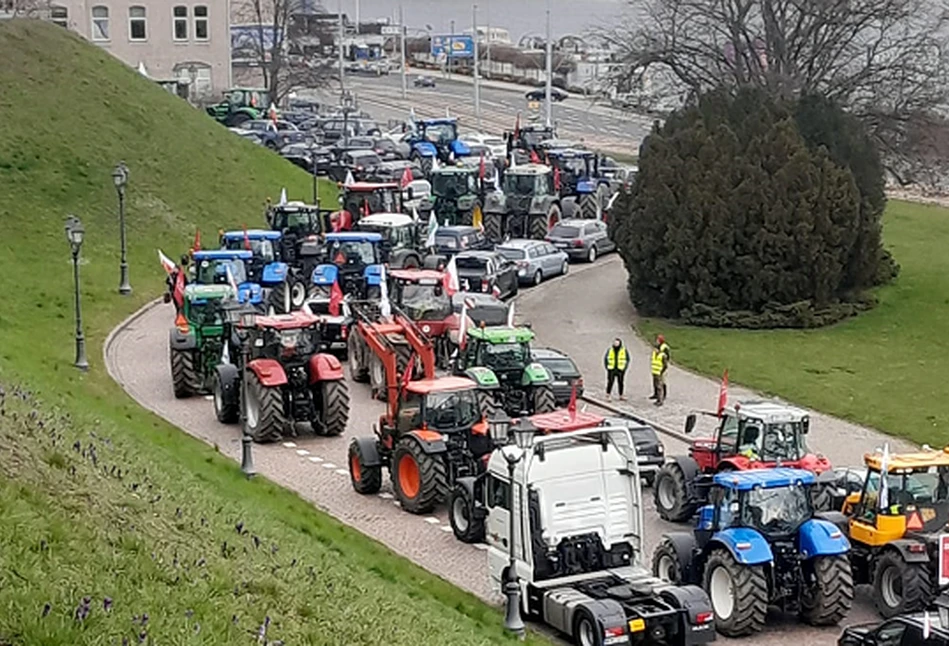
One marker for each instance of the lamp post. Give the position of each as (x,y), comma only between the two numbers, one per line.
(314,169)
(74,235)
(451,46)
(246,321)
(120,177)
(523,435)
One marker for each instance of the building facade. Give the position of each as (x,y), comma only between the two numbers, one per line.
(184,40)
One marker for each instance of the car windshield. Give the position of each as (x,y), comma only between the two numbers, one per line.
(501,356)
(352,252)
(472,264)
(450,185)
(535,137)
(425,302)
(519,184)
(451,410)
(512,254)
(776,511)
(565,232)
(210,272)
(440,133)
(446,241)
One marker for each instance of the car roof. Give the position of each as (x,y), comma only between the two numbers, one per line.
(354,236)
(519,243)
(549,353)
(764,478)
(440,384)
(480,298)
(476,253)
(458,229)
(223,254)
(253,234)
(386,220)
(574,222)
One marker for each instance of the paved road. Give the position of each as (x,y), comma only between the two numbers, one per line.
(593,308)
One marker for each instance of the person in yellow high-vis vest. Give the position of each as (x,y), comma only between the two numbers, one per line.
(659,363)
(615,362)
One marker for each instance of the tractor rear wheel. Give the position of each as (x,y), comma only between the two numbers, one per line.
(672,494)
(184,374)
(461,508)
(377,378)
(739,594)
(263,410)
(487,404)
(537,227)
(419,478)
(587,204)
(900,587)
(365,479)
(227,412)
(298,294)
(665,562)
(493,226)
(280,299)
(544,400)
(334,404)
(830,597)
(356,349)
(403,353)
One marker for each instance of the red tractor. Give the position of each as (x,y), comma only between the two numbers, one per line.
(286,379)
(365,198)
(753,435)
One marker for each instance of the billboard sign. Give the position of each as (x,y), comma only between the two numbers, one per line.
(459,46)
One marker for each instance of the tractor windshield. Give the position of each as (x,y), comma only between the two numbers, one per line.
(261,248)
(778,511)
(353,252)
(211,272)
(204,312)
(519,184)
(425,302)
(458,409)
(767,442)
(505,356)
(367,203)
(297,222)
(917,487)
(441,133)
(450,185)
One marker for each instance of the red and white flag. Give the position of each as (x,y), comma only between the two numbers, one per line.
(336,299)
(451,283)
(166,263)
(723,393)
(406,178)
(496,291)
(463,322)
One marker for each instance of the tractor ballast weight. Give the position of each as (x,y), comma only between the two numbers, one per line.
(526,207)
(197,341)
(435,139)
(750,435)
(759,543)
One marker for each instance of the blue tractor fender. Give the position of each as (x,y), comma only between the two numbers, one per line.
(424,149)
(250,293)
(818,537)
(274,273)
(586,186)
(325,274)
(373,275)
(460,148)
(747,545)
(685,552)
(705,523)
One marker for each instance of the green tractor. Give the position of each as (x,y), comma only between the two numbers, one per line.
(456,192)
(498,359)
(240,105)
(528,205)
(197,341)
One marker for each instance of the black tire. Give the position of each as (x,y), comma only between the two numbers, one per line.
(830,598)
(425,163)
(900,587)
(487,404)
(591,254)
(544,400)
(237,120)
(298,294)
(334,404)
(649,478)
(671,494)
(665,562)
(587,204)
(227,412)
(358,369)
(365,480)
(377,378)
(538,277)
(823,497)
(749,594)
(403,352)
(461,507)
(421,494)
(493,226)
(280,299)
(267,422)
(537,227)
(184,375)
(586,631)
(565,268)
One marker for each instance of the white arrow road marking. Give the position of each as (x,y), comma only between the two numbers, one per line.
(446,528)
(302,452)
(329,465)
(431,520)
(342,472)
(314,459)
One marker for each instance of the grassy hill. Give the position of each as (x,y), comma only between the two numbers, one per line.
(114,524)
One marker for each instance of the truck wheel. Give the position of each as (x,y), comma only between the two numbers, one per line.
(487,404)
(671,492)
(184,376)
(334,400)
(739,594)
(493,226)
(830,597)
(665,562)
(365,479)
(358,369)
(466,527)
(263,410)
(537,227)
(227,412)
(419,478)
(377,378)
(585,632)
(900,587)
(544,401)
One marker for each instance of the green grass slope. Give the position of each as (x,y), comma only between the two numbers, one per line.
(108,513)
(885,368)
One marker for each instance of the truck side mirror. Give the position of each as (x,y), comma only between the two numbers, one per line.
(690,422)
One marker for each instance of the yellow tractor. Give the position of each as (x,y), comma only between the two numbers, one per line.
(899,532)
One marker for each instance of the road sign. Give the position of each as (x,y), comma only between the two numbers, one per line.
(460,45)
(391,30)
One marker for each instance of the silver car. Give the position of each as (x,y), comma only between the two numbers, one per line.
(536,260)
(581,239)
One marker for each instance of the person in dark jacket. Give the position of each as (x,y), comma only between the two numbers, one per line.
(616,361)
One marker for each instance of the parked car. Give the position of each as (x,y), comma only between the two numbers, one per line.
(333,129)
(249,135)
(482,308)
(535,259)
(650,451)
(902,630)
(540,94)
(454,239)
(387,149)
(274,135)
(581,239)
(495,144)
(564,371)
(424,81)
(302,155)
(488,272)
(361,163)
(392,171)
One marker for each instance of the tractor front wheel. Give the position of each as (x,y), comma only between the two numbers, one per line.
(544,400)
(298,294)
(419,478)
(184,374)
(665,562)
(461,514)
(365,479)
(588,206)
(280,299)
(493,226)
(829,596)
(358,369)
(900,587)
(263,410)
(227,410)
(739,594)
(672,494)
(537,227)
(334,404)
(487,404)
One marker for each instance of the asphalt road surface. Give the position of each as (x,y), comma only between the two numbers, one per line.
(579,314)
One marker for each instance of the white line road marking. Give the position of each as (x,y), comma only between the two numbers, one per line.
(431,520)
(314,459)
(480,546)
(289,445)
(385,496)
(396,503)
(302,452)
(446,528)
(342,472)
(209,397)
(329,465)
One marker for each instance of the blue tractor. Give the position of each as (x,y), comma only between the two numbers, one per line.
(759,543)
(211,268)
(284,288)
(435,138)
(354,260)
(584,191)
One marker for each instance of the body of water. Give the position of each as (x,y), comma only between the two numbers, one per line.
(520,17)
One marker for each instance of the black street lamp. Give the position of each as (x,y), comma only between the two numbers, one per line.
(314,170)
(74,235)
(120,177)
(522,433)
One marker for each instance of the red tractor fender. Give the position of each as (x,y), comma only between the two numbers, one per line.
(268,371)
(430,441)
(325,367)
(816,463)
(436,328)
(738,463)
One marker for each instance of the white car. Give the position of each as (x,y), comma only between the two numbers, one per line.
(495,144)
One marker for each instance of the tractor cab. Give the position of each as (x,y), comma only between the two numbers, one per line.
(446,405)
(361,199)
(528,138)
(224,267)
(240,105)
(456,192)
(528,205)
(401,237)
(354,260)
(265,265)
(301,227)
(421,295)
(431,139)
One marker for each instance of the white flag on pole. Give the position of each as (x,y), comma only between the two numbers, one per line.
(226,355)
(385,307)
(435,165)
(884,467)
(415,213)
(283,197)
(432,228)
(452,284)
(230,279)
(349,179)
(510,314)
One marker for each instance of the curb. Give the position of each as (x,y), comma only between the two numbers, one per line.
(118,329)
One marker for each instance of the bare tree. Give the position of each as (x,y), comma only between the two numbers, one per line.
(276,40)
(886,61)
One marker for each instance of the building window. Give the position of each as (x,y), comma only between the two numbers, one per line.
(201,22)
(137,29)
(180,14)
(100,23)
(59,16)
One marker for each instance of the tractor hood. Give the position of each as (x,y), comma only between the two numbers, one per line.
(249,293)
(586,186)
(460,148)
(534,375)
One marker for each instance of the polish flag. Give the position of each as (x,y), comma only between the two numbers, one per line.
(166,263)
(723,393)
(451,282)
